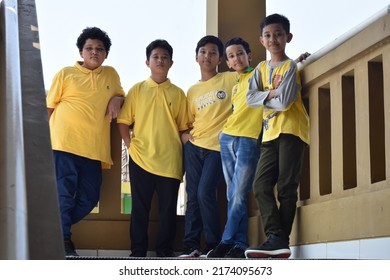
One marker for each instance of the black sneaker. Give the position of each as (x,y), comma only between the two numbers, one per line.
(236,253)
(167,253)
(220,251)
(137,254)
(190,253)
(274,247)
(205,251)
(69,248)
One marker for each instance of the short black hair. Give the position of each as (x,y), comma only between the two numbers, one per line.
(237,41)
(212,40)
(93,33)
(159,43)
(275,18)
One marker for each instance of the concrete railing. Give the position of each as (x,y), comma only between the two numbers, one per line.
(345,188)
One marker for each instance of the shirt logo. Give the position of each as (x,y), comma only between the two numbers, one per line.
(221,94)
(267,119)
(277,81)
(210,98)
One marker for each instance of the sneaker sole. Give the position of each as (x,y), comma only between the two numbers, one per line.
(189,257)
(277,254)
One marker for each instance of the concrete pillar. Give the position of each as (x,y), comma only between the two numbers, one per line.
(231,18)
(44,229)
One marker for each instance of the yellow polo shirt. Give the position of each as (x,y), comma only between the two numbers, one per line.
(79,124)
(158,112)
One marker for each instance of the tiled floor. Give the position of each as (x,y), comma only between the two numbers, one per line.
(375,248)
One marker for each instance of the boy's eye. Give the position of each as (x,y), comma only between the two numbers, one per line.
(98,50)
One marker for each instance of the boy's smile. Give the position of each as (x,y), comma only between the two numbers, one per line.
(274,38)
(237,58)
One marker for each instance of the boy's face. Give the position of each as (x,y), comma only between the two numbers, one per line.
(237,58)
(159,61)
(274,38)
(94,53)
(208,57)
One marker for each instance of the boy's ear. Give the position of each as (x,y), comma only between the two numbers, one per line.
(261,41)
(228,64)
(289,37)
(147,62)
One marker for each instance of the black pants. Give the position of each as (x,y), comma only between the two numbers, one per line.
(280,165)
(143,186)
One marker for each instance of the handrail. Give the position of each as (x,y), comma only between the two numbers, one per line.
(13,206)
(344,37)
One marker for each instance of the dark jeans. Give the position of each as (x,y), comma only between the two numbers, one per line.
(143,186)
(203,174)
(78,186)
(280,164)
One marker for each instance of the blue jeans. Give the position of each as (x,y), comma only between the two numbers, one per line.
(203,174)
(239,159)
(78,186)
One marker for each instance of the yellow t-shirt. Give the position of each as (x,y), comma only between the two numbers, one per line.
(79,124)
(158,112)
(294,119)
(209,106)
(245,121)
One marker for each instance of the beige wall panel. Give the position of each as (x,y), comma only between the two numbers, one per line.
(386,74)
(354,217)
(362,119)
(337,132)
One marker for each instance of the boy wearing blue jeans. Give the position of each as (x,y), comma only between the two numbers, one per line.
(239,153)
(81,102)
(209,107)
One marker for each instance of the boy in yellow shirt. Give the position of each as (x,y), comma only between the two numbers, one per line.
(239,153)
(158,110)
(276,87)
(81,102)
(209,106)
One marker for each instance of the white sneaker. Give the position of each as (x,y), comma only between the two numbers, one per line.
(190,253)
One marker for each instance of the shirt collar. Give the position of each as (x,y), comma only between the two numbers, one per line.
(152,83)
(86,70)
